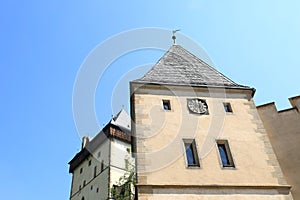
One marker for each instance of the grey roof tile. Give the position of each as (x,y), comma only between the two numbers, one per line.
(180,67)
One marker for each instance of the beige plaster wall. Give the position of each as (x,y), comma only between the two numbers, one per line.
(160,151)
(215,193)
(217,197)
(283,129)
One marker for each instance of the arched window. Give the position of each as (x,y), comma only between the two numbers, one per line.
(82,198)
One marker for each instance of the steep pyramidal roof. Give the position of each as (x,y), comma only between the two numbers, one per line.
(180,67)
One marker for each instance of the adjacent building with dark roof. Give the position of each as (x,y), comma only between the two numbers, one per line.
(102,160)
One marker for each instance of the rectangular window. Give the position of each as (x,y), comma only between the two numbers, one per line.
(227,107)
(166,104)
(225,154)
(95,171)
(102,165)
(191,153)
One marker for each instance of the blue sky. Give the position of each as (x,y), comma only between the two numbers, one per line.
(44,43)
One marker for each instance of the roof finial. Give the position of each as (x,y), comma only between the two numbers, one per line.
(174,37)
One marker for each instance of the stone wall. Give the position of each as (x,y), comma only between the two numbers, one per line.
(283,129)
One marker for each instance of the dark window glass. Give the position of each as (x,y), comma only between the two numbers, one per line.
(190,154)
(102,165)
(80,170)
(166,105)
(223,154)
(95,171)
(90,162)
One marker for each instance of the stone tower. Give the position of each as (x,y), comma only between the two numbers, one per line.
(197,135)
(98,166)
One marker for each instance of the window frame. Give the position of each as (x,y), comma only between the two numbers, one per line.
(195,151)
(166,102)
(227,107)
(228,153)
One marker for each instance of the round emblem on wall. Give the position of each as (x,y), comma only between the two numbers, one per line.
(198,106)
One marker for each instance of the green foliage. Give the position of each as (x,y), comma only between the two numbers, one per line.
(124,188)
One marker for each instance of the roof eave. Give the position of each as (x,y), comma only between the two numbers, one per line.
(194,85)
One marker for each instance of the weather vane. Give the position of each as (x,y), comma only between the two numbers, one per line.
(174,37)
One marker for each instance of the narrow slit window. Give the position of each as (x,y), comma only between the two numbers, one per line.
(102,165)
(95,171)
(227,107)
(191,153)
(225,154)
(166,104)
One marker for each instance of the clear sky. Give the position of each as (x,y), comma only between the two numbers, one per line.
(44,43)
